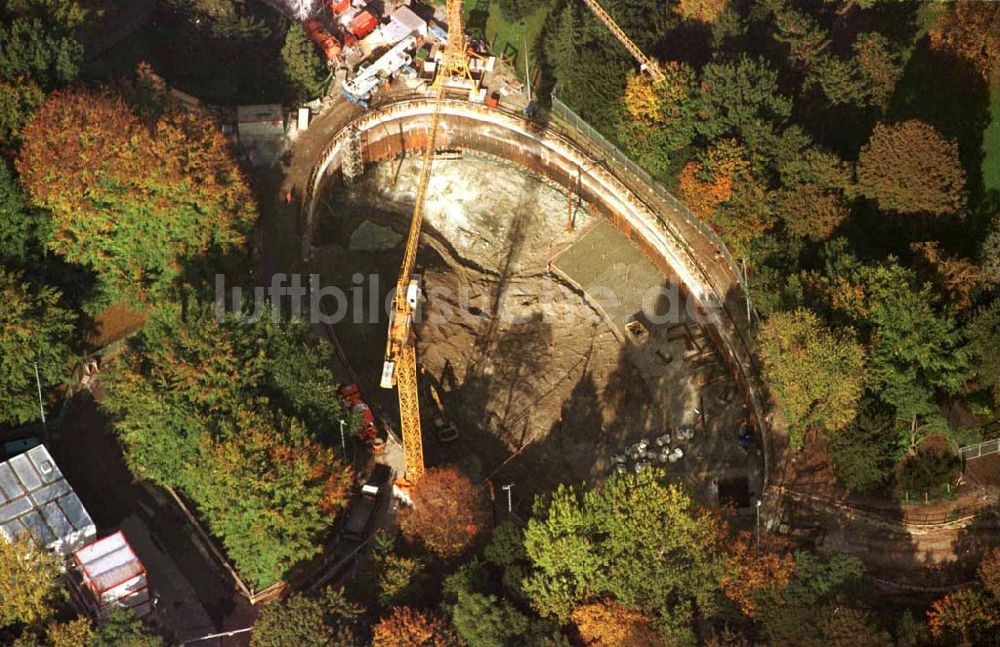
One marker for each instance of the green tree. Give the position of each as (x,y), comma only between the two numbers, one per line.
(739,95)
(817,376)
(326,620)
(18,100)
(485,621)
(33,328)
(864,453)
(38,40)
(983,334)
(138,204)
(914,350)
(304,70)
(23,230)
(909,167)
(637,539)
(200,405)
(123,629)
(808,611)
(29,582)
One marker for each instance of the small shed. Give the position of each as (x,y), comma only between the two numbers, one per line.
(36,498)
(111,576)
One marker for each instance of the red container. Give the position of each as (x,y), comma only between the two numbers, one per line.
(362,25)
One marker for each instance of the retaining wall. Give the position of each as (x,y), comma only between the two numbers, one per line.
(555,151)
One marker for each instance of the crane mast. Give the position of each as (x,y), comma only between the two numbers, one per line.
(645,64)
(400,367)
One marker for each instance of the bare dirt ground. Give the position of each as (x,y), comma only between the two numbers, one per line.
(526,362)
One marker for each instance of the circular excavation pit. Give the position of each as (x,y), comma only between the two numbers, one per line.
(562,345)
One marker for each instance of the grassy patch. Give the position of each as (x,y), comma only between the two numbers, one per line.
(485,20)
(991,142)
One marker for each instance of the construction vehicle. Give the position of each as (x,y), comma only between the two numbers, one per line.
(366,504)
(400,366)
(444,429)
(317,33)
(352,394)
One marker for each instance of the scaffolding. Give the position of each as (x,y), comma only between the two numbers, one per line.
(352,163)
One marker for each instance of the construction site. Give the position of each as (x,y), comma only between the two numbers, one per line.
(538,304)
(527,330)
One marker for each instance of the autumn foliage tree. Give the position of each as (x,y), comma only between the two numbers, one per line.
(449,512)
(909,167)
(971,614)
(607,623)
(407,627)
(817,376)
(752,568)
(971,30)
(133,200)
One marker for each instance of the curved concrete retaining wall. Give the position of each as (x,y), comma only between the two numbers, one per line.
(672,244)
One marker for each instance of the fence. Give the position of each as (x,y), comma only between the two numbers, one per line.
(612,153)
(979,450)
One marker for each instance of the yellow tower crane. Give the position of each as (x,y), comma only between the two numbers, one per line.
(645,63)
(400,367)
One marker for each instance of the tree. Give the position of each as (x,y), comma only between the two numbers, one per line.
(914,350)
(751,569)
(879,66)
(659,116)
(721,187)
(864,453)
(970,30)
(74,633)
(24,231)
(323,621)
(971,614)
(18,100)
(637,540)
(817,376)
(123,629)
(33,328)
(807,41)
(983,335)
(954,277)
(448,512)
(909,167)
(38,40)
(738,95)
(268,491)
(29,582)
(212,407)
(814,610)
(706,11)
(809,211)
(304,70)
(484,621)
(136,203)
(406,627)
(607,623)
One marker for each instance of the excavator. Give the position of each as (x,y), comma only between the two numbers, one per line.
(400,366)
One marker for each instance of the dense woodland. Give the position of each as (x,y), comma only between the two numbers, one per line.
(847,150)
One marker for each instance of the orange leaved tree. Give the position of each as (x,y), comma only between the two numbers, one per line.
(448,513)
